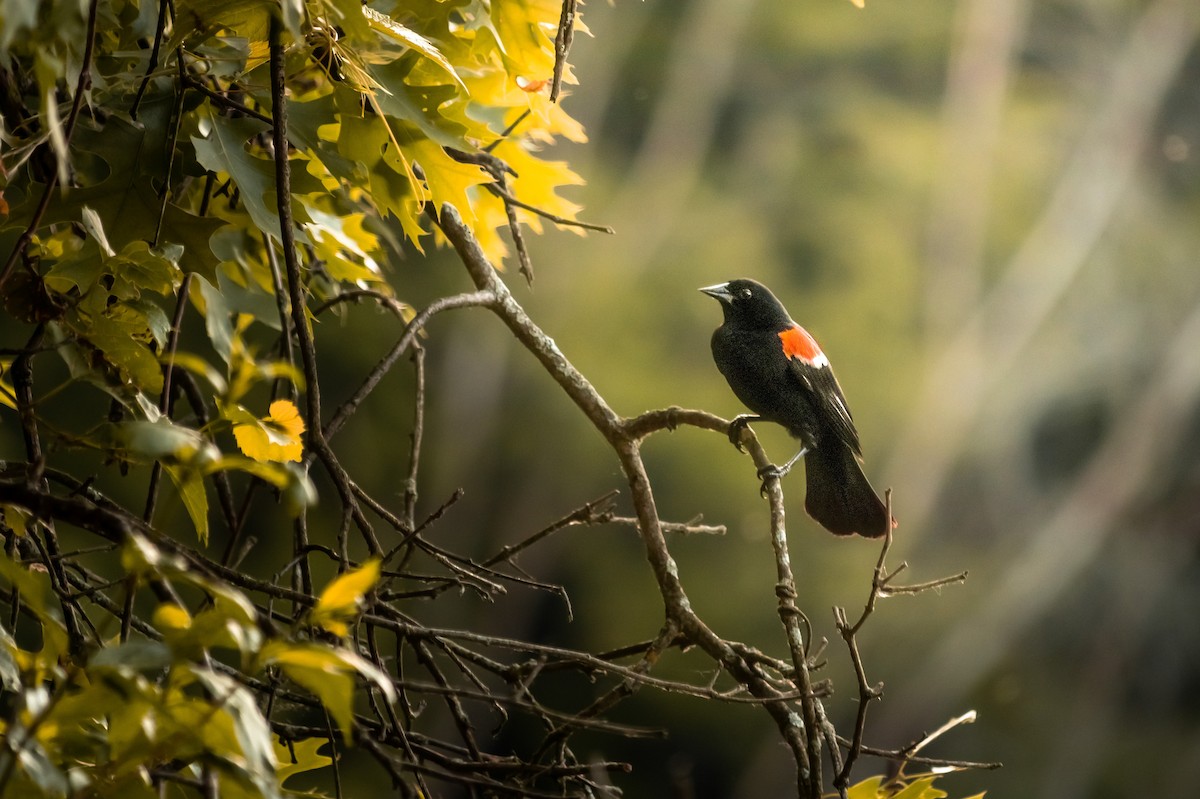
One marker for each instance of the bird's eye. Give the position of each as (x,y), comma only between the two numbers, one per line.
(744,294)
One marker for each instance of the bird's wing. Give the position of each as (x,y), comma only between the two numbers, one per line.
(811,368)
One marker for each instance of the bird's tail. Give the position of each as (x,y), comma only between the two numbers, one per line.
(839,496)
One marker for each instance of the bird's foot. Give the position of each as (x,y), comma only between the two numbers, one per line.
(771,471)
(739,424)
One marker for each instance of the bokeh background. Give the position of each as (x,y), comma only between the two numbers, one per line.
(988,211)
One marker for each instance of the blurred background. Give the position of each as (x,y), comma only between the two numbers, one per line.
(988,212)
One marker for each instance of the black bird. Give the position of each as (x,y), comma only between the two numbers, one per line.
(777,370)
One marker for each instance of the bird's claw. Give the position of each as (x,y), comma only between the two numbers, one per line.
(768,472)
(736,427)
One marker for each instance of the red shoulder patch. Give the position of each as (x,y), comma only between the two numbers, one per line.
(798,343)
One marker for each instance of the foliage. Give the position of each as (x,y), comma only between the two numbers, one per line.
(188,190)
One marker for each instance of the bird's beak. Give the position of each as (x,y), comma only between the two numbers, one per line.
(719,291)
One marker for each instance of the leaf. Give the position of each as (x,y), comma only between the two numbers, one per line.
(38,766)
(199,367)
(10,672)
(171,619)
(328,674)
(47,69)
(368,142)
(322,673)
(223,149)
(122,333)
(526,49)
(867,789)
(163,440)
(124,197)
(920,789)
(299,757)
(340,600)
(276,437)
(130,659)
(252,730)
(34,585)
(406,36)
(420,105)
(192,491)
(343,244)
(95,229)
(449,181)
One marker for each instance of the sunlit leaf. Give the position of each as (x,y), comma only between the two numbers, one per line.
(171,619)
(340,600)
(277,437)
(867,789)
(920,789)
(300,756)
(328,673)
(389,26)
(252,730)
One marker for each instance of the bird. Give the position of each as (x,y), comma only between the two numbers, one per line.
(778,371)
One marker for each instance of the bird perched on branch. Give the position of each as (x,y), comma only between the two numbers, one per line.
(777,370)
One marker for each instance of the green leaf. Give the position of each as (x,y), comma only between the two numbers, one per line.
(419,105)
(123,197)
(40,769)
(34,585)
(163,440)
(223,148)
(10,672)
(122,333)
(252,730)
(192,491)
(135,656)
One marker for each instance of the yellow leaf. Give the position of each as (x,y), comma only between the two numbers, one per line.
(867,789)
(921,789)
(171,619)
(8,394)
(521,26)
(300,756)
(329,674)
(449,181)
(389,26)
(339,601)
(859,3)
(276,437)
(17,518)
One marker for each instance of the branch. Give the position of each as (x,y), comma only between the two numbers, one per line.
(81,85)
(617,432)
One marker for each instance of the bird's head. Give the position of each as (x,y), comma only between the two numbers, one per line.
(750,304)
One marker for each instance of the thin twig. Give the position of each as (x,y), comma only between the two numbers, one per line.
(562,46)
(81,85)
